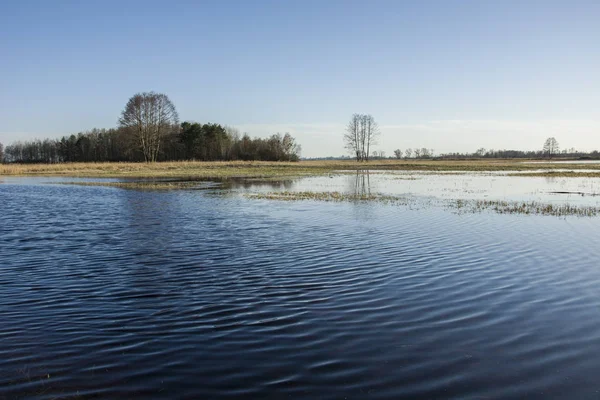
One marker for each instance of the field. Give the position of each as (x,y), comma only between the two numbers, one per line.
(241,169)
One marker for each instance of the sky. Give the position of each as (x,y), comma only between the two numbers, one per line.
(448,75)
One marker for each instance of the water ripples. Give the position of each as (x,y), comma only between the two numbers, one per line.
(117,294)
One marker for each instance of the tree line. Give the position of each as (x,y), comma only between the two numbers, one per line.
(550,149)
(149,130)
(190,141)
(414,153)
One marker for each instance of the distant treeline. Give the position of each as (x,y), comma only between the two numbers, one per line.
(149,130)
(188,141)
(566,153)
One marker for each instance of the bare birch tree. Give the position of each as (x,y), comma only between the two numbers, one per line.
(361,133)
(149,117)
(371,134)
(352,137)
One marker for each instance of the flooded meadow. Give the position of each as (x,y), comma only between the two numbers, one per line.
(350,284)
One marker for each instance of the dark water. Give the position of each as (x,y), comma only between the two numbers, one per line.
(113,293)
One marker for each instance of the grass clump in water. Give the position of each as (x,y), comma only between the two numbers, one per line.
(525,208)
(325,196)
(144,185)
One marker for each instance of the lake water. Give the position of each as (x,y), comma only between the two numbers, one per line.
(113,293)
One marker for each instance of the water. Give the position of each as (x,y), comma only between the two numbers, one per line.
(448,186)
(113,293)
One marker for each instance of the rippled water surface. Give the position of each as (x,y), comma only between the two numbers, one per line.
(112,293)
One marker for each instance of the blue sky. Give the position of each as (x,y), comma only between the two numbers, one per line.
(448,75)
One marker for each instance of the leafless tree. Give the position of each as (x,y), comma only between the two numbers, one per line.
(1,153)
(352,138)
(417,153)
(371,134)
(361,133)
(398,153)
(149,117)
(408,153)
(551,147)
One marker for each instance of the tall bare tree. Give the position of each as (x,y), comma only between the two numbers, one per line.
(398,153)
(361,133)
(149,117)
(371,134)
(1,153)
(352,137)
(551,147)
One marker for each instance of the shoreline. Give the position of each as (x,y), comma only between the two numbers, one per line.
(266,169)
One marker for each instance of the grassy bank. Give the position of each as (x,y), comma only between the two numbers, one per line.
(240,169)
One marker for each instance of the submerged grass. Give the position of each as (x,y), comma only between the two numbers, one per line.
(141,185)
(459,205)
(326,196)
(525,208)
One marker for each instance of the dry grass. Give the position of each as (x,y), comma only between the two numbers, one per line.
(179,170)
(241,169)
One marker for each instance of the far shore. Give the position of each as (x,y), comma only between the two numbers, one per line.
(261,169)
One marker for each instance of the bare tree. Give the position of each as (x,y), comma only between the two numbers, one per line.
(1,153)
(371,134)
(352,138)
(550,147)
(417,153)
(408,153)
(149,117)
(398,153)
(361,133)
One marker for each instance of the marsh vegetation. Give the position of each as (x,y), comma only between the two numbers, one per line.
(259,169)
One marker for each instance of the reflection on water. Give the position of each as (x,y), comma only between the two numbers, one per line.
(448,187)
(362,183)
(272,184)
(116,293)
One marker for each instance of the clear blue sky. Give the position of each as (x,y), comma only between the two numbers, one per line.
(448,75)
